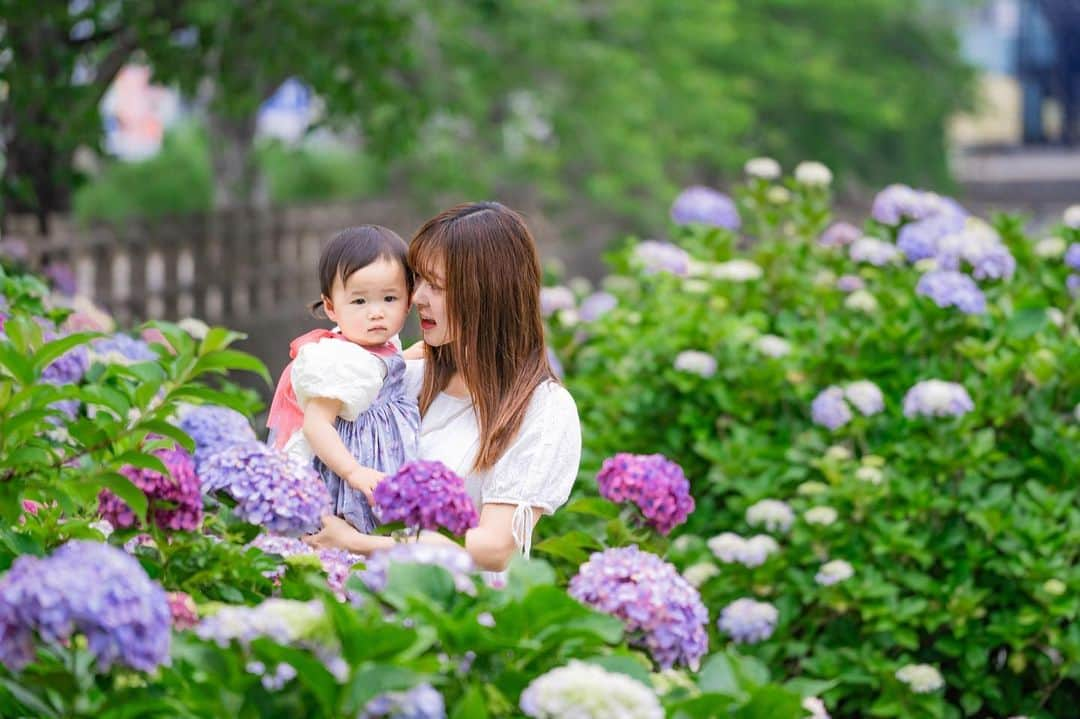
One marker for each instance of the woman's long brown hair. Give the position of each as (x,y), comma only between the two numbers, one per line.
(492,284)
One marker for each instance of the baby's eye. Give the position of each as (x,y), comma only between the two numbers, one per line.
(390,298)
(359,301)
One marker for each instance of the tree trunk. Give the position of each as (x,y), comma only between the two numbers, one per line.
(237,179)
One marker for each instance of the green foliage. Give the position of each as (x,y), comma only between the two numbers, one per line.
(962,531)
(314,174)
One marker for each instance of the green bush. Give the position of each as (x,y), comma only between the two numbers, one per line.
(962,532)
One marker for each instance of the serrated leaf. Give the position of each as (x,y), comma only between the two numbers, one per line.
(142,460)
(16,364)
(50,351)
(227,360)
(158,426)
(219,338)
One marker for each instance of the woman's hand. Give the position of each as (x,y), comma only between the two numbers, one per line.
(365,479)
(336,533)
(415,351)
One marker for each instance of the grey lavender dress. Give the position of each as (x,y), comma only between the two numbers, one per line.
(383,437)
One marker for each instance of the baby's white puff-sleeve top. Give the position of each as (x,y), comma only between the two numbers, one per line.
(537,470)
(338,370)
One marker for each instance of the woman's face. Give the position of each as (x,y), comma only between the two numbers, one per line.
(429,298)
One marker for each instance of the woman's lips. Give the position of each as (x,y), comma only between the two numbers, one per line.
(426,324)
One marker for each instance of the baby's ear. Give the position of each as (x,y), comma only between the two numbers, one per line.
(328,308)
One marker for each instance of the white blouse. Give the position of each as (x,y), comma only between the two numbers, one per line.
(336,370)
(537,470)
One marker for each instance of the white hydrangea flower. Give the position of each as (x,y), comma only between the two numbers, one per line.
(763,168)
(811,488)
(1054,587)
(824,278)
(695,362)
(194,327)
(838,453)
(1056,317)
(832,572)
(1071,218)
(587,691)
(861,300)
(568,318)
(682,542)
(814,174)
(696,286)
(1050,247)
(757,549)
(554,299)
(922,678)
(873,475)
(580,285)
(737,271)
(778,195)
(104,526)
(816,707)
(823,516)
(772,513)
(773,346)
(727,546)
(866,396)
(698,574)
(873,250)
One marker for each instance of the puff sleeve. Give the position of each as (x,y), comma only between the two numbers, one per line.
(539,468)
(338,370)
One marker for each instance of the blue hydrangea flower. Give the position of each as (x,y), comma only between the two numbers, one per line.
(748,621)
(705,206)
(660,609)
(654,257)
(829,408)
(270,488)
(69,367)
(948,288)
(937,398)
(124,346)
(86,588)
(421,702)
(214,428)
(596,306)
(919,240)
(1072,257)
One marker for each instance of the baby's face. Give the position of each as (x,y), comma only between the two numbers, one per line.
(371,305)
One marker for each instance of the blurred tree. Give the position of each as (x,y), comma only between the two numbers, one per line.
(621,101)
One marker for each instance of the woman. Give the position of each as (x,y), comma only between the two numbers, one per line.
(490,407)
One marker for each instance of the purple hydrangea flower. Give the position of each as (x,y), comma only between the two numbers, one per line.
(919,240)
(125,346)
(948,288)
(1072,257)
(937,398)
(850,283)
(1073,284)
(829,408)
(748,621)
(62,278)
(426,495)
(182,609)
(870,249)
(655,484)
(897,203)
(705,206)
(554,363)
(175,499)
(453,559)
(69,367)
(655,256)
(337,563)
(553,299)
(270,488)
(214,428)
(421,702)
(596,306)
(980,246)
(839,234)
(660,609)
(86,588)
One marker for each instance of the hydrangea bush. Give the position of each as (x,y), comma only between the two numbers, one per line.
(879,421)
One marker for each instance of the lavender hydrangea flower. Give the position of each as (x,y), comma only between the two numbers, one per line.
(850,283)
(122,347)
(214,428)
(870,249)
(337,563)
(554,363)
(948,288)
(695,362)
(426,495)
(62,278)
(816,707)
(69,367)
(919,240)
(705,206)
(839,234)
(553,299)
(182,609)
(655,484)
(829,409)
(748,621)
(1072,283)
(175,499)
(1072,257)
(654,257)
(980,246)
(596,306)
(660,609)
(866,396)
(897,203)
(588,691)
(937,398)
(453,559)
(270,488)
(421,702)
(86,588)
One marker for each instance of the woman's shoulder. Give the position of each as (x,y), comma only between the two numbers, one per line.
(552,401)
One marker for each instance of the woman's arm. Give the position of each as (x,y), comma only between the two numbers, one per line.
(319,430)
(491,543)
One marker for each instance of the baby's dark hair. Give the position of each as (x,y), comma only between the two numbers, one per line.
(355,248)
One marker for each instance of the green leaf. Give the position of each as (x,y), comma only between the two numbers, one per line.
(310,671)
(1026,322)
(105,396)
(471,705)
(370,681)
(126,490)
(142,460)
(52,350)
(595,506)
(28,698)
(226,360)
(574,546)
(157,426)
(14,362)
(206,395)
(772,702)
(623,664)
(219,338)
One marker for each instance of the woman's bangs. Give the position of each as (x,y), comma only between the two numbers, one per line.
(426,257)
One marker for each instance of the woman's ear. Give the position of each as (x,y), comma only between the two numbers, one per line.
(328,308)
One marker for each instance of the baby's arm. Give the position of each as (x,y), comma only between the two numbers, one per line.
(319,416)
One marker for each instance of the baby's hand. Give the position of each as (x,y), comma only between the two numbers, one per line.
(364,480)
